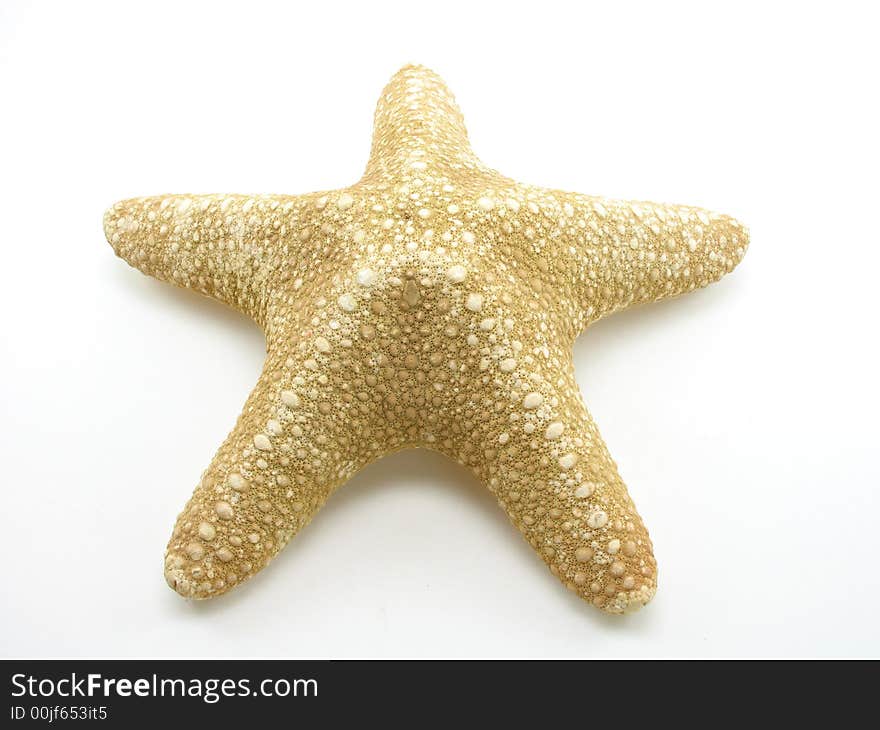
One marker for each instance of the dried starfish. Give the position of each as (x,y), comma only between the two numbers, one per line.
(433,303)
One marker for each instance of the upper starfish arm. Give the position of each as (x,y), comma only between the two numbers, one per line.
(417,120)
(630,252)
(224,246)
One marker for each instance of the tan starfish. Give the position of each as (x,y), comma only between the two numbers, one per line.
(433,303)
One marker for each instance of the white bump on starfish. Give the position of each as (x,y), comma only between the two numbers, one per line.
(274,427)
(567,461)
(597,519)
(584,554)
(224,555)
(554,431)
(474,302)
(237,482)
(532,401)
(347,302)
(507,365)
(456,274)
(584,491)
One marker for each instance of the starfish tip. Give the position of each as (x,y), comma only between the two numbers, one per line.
(414,68)
(183,585)
(631,601)
(110,221)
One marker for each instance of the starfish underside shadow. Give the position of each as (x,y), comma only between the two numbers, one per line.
(434,303)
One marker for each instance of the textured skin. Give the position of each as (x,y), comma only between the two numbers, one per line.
(434,303)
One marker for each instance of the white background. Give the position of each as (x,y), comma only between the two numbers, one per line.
(743,417)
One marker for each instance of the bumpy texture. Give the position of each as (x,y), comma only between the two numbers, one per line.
(434,303)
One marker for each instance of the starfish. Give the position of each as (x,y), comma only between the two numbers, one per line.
(432,304)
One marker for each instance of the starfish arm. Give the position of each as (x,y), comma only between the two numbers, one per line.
(561,488)
(418,124)
(636,252)
(287,453)
(224,246)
